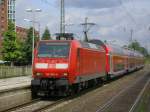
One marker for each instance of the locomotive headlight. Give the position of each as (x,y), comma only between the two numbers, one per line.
(41,65)
(61,66)
(38,74)
(65,74)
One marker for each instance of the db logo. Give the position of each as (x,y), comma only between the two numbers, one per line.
(52,66)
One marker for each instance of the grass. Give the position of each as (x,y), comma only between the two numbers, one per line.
(144,102)
(147,60)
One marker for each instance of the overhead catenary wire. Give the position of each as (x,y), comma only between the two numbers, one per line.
(128,13)
(46,2)
(87,27)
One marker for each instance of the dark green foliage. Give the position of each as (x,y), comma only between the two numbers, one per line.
(136,46)
(105,41)
(11,45)
(46,35)
(15,51)
(1,1)
(27,46)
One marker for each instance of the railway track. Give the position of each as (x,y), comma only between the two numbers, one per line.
(137,101)
(44,105)
(13,98)
(50,105)
(34,106)
(94,100)
(124,100)
(39,105)
(21,106)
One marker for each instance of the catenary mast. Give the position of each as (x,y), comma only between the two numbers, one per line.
(62,18)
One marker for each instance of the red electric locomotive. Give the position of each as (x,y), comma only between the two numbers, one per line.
(62,67)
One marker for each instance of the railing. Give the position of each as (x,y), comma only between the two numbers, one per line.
(7,71)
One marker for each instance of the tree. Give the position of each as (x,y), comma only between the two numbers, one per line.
(105,41)
(144,51)
(46,35)
(11,45)
(136,46)
(27,46)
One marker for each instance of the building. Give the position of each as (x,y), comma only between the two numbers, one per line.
(3,17)
(22,33)
(11,10)
(7,12)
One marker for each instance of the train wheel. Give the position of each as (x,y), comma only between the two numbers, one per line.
(34,94)
(92,83)
(95,82)
(100,81)
(108,77)
(86,84)
(77,88)
(71,91)
(66,91)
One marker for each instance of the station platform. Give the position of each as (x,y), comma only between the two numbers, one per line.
(14,83)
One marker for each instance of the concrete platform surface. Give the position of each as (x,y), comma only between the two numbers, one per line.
(14,83)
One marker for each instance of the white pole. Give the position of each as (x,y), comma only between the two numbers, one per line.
(33,31)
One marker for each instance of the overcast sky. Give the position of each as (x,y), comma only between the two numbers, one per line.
(114,18)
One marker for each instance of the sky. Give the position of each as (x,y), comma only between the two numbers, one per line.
(114,19)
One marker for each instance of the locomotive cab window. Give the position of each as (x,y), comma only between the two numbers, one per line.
(53,50)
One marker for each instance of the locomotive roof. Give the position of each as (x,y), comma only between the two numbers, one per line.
(96,41)
(55,40)
(80,43)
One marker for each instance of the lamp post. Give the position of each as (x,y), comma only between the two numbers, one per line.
(33,11)
(38,23)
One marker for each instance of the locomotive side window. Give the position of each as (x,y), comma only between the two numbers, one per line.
(53,50)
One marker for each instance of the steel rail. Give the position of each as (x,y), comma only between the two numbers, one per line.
(110,102)
(22,106)
(139,97)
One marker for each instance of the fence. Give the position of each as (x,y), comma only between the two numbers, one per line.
(7,71)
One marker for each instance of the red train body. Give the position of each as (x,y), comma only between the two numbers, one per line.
(59,64)
(61,67)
